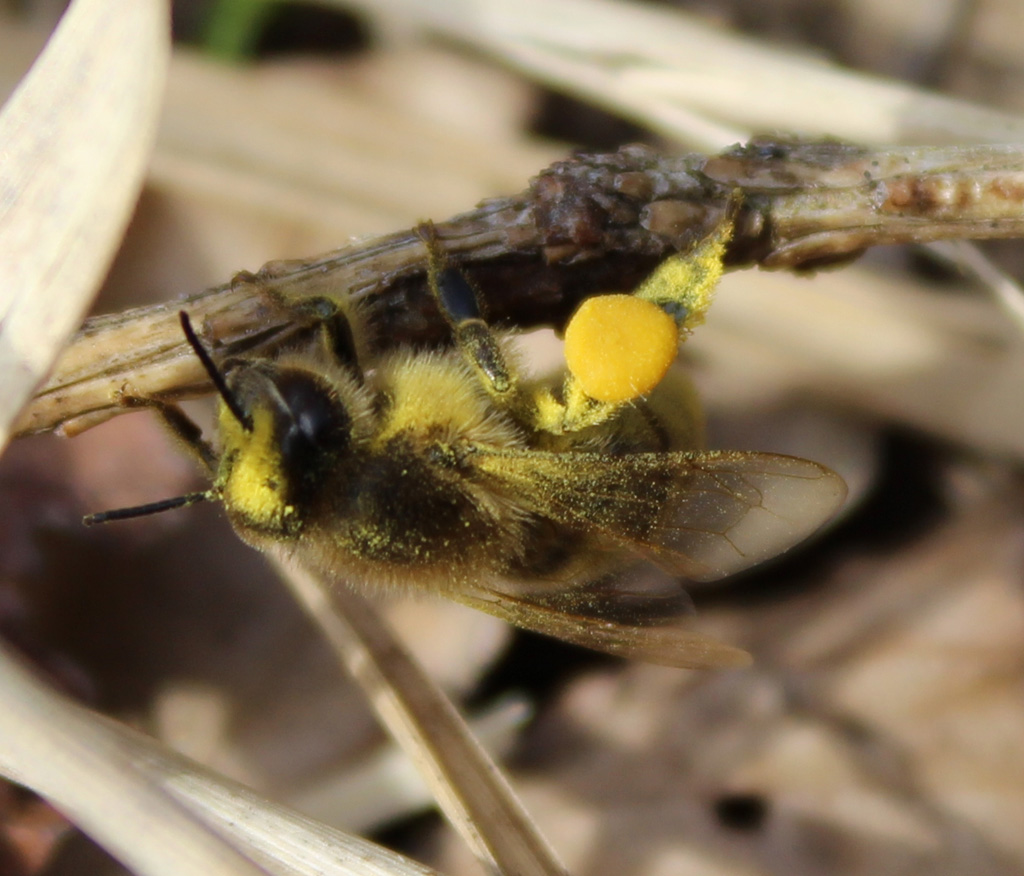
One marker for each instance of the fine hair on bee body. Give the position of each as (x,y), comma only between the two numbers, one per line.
(443,471)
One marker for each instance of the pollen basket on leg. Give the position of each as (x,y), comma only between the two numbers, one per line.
(619,347)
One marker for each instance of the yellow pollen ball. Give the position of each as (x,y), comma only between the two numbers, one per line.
(618,347)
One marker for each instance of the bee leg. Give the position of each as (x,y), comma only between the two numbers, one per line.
(618,348)
(683,285)
(328,315)
(575,410)
(336,334)
(460,303)
(179,424)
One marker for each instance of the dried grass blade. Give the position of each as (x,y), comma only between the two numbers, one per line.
(67,755)
(157,809)
(687,79)
(76,136)
(468,786)
(972,261)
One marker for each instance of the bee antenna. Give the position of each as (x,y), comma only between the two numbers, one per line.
(145,510)
(215,374)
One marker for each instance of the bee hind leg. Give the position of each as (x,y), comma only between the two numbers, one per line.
(619,347)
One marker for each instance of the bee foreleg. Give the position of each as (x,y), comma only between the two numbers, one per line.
(179,424)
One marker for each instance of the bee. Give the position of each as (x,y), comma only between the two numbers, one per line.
(572,507)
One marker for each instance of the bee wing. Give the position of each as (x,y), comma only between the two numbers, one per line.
(638,628)
(699,515)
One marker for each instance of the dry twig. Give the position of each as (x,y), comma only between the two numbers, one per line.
(585,225)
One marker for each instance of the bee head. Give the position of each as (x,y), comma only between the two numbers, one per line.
(281,430)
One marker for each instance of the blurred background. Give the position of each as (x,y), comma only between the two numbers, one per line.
(881,729)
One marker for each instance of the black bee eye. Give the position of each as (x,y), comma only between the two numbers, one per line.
(318,421)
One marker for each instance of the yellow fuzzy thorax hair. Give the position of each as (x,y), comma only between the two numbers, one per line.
(431,393)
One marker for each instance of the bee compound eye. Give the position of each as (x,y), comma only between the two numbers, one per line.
(317,417)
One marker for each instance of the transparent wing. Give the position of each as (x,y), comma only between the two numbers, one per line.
(639,627)
(699,515)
